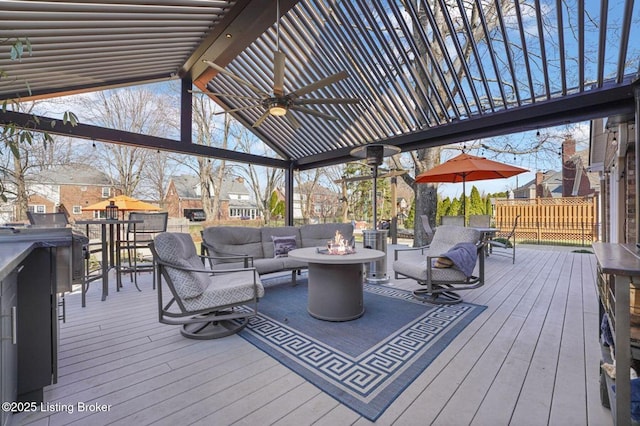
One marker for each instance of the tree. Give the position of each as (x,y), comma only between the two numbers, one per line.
(138,110)
(439,96)
(16,138)
(263,181)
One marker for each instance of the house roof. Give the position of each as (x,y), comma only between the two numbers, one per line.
(186,187)
(72,174)
(525,70)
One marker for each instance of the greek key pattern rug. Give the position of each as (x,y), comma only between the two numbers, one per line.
(366,363)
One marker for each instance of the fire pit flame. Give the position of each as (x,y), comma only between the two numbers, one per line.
(339,245)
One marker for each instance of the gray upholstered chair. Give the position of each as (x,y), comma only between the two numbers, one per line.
(208,304)
(442,284)
(479,220)
(452,220)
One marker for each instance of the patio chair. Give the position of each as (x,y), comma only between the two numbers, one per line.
(505,243)
(479,221)
(452,220)
(442,278)
(207,304)
(136,243)
(427,230)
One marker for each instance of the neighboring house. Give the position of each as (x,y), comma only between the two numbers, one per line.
(67,188)
(184,195)
(325,204)
(574,180)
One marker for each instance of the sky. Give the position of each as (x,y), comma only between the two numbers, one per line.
(533,162)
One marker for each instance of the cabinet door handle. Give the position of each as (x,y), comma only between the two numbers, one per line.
(14,325)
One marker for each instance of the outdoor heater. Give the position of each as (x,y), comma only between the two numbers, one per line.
(376,272)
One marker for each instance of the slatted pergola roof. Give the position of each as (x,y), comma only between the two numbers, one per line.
(426,73)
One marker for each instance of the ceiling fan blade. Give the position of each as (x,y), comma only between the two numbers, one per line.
(261,119)
(320,84)
(225,95)
(326,101)
(292,120)
(236,78)
(236,109)
(314,112)
(278,73)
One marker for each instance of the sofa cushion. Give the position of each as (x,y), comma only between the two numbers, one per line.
(280,231)
(318,235)
(283,245)
(225,240)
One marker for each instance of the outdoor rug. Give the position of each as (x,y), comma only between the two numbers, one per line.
(365,363)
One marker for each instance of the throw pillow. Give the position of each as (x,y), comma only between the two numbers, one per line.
(283,245)
(443,262)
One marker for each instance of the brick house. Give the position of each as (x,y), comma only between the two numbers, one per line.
(184,195)
(574,180)
(68,188)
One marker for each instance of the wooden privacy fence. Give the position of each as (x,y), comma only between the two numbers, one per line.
(568,220)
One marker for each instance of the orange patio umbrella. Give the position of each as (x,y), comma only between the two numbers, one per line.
(466,167)
(124,203)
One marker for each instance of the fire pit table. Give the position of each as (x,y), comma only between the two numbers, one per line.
(335,281)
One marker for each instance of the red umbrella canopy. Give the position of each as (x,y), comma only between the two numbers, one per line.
(466,167)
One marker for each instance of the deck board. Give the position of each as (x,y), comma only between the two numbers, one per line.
(530,358)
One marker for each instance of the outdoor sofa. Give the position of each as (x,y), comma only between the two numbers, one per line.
(266,248)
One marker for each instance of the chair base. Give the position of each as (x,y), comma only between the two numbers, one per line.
(204,328)
(438,296)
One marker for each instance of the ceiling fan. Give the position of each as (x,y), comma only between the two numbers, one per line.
(278,103)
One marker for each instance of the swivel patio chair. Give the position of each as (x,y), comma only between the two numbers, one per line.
(207,304)
(505,244)
(428,231)
(448,265)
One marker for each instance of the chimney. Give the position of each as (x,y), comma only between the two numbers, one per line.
(568,148)
(539,179)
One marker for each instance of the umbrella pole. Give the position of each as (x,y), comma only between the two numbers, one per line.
(464,199)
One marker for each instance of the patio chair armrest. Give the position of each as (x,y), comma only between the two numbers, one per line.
(248,260)
(397,251)
(204,269)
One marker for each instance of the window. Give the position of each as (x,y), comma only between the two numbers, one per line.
(106,192)
(37,208)
(76,210)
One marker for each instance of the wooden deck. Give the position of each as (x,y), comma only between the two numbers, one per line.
(530,359)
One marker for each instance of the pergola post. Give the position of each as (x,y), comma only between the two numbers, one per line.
(186,111)
(288,195)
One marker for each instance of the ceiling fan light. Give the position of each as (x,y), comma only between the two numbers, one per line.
(277,110)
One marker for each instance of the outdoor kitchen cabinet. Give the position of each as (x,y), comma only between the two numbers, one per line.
(32,263)
(619,275)
(8,342)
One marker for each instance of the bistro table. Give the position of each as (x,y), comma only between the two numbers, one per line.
(487,234)
(335,282)
(109,237)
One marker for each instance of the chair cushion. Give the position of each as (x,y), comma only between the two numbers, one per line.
(178,249)
(227,289)
(418,271)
